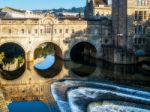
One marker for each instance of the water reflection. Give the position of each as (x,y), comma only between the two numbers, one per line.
(95,70)
(24,106)
(46,64)
(50,68)
(131,75)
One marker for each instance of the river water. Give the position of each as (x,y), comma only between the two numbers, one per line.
(87,70)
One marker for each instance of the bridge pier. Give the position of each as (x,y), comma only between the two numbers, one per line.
(29,56)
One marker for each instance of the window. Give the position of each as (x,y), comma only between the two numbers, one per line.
(136,15)
(47,29)
(29,31)
(135,40)
(67,30)
(60,30)
(139,41)
(144,41)
(41,31)
(141,2)
(84,31)
(55,31)
(136,30)
(140,15)
(140,29)
(9,31)
(73,31)
(22,31)
(94,31)
(144,30)
(35,30)
(145,14)
(97,14)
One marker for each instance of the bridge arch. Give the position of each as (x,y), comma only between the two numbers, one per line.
(81,49)
(13,65)
(58,50)
(47,61)
(15,42)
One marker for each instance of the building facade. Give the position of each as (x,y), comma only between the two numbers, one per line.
(130,31)
(125,33)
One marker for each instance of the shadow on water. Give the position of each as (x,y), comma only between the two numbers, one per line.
(12,75)
(130,75)
(83,70)
(124,74)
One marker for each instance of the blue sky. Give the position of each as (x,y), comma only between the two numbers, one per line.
(41,4)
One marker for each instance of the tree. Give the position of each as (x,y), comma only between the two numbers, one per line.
(2,56)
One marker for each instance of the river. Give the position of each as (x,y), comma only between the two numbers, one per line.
(88,70)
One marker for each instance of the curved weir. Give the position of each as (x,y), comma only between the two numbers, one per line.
(77,95)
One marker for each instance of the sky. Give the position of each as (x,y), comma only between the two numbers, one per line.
(42,4)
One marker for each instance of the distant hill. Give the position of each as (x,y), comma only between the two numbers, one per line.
(73,9)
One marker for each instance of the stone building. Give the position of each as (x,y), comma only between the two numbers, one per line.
(130,31)
(96,9)
(138,27)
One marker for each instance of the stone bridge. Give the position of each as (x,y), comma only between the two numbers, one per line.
(63,34)
(62,46)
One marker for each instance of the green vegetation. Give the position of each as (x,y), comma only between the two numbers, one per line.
(2,56)
(11,51)
(44,51)
(20,60)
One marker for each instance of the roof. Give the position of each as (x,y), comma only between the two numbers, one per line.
(9,8)
(71,18)
(100,2)
(20,18)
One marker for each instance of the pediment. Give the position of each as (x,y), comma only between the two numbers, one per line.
(49,19)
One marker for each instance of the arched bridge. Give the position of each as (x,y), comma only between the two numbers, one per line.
(63,34)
